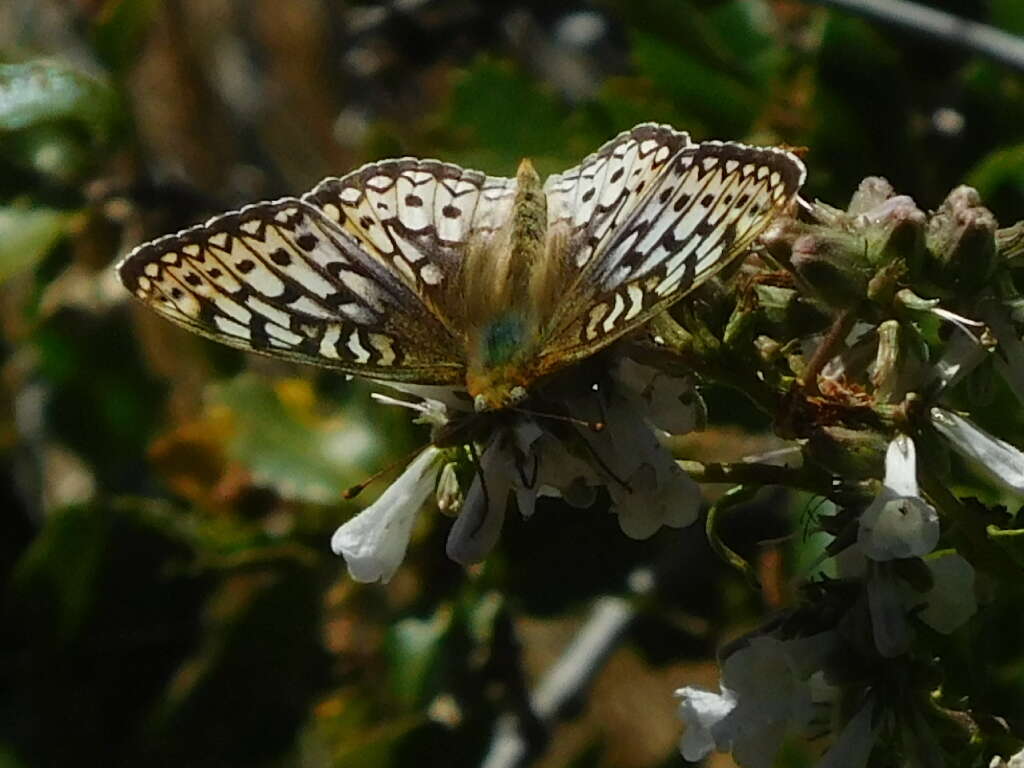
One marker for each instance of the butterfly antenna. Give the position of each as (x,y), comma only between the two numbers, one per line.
(352,491)
(593,426)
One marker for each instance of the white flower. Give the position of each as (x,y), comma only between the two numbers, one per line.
(373,542)
(898,523)
(886,600)
(668,402)
(766,692)
(996,458)
(647,487)
(476,529)
(702,712)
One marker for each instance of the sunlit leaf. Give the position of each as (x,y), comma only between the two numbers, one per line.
(46,91)
(415,648)
(27,235)
(301,454)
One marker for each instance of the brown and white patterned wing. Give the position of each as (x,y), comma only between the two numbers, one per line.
(418,218)
(693,208)
(281,279)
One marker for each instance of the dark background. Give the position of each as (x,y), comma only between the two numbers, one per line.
(169,597)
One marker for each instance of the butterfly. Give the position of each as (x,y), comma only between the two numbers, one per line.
(424,272)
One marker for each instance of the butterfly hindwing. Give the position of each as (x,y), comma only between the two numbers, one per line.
(700,207)
(281,279)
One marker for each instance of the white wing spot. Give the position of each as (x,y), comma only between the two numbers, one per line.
(431,274)
(636,301)
(357,349)
(383,345)
(231,328)
(328,343)
(609,322)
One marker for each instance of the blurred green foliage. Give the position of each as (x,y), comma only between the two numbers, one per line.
(169,594)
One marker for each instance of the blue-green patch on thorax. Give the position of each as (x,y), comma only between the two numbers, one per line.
(501,340)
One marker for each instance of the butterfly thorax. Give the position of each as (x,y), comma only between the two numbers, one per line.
(499,285)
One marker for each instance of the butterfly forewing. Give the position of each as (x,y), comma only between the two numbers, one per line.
(587,202)
(281,279)
(418,218)
(696,210)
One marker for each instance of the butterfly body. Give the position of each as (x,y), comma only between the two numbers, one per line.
(425,272)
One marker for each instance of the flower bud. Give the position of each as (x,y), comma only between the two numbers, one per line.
(894,231)
(898,362)
(832,263)
(961,241)
(871,193)
(779,237)
(449,492)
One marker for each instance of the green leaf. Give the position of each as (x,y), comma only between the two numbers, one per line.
(27,235)
(45,91)
(302,456)
(1010,541)
(415,647)
(120,30)
(713,97)
(484,98)
(997,170)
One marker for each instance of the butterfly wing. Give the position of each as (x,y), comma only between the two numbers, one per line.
(358,275)
(281,279)
(646,219)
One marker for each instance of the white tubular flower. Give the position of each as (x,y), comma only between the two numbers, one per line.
(898,523)
(373,542)
(1002,462)
(476,529)
(702,712)
(887,602)
(765,694)
(648,488)
(668,402)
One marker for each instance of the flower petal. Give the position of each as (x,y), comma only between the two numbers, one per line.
(901,466)
(894,527)
(1001,461)
(853,746)
(476,529)
(373,542)
(950,602)
(888,614)
(701,711)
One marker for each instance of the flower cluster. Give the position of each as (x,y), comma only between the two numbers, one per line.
(603,435)
(863,333)
(915,309)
